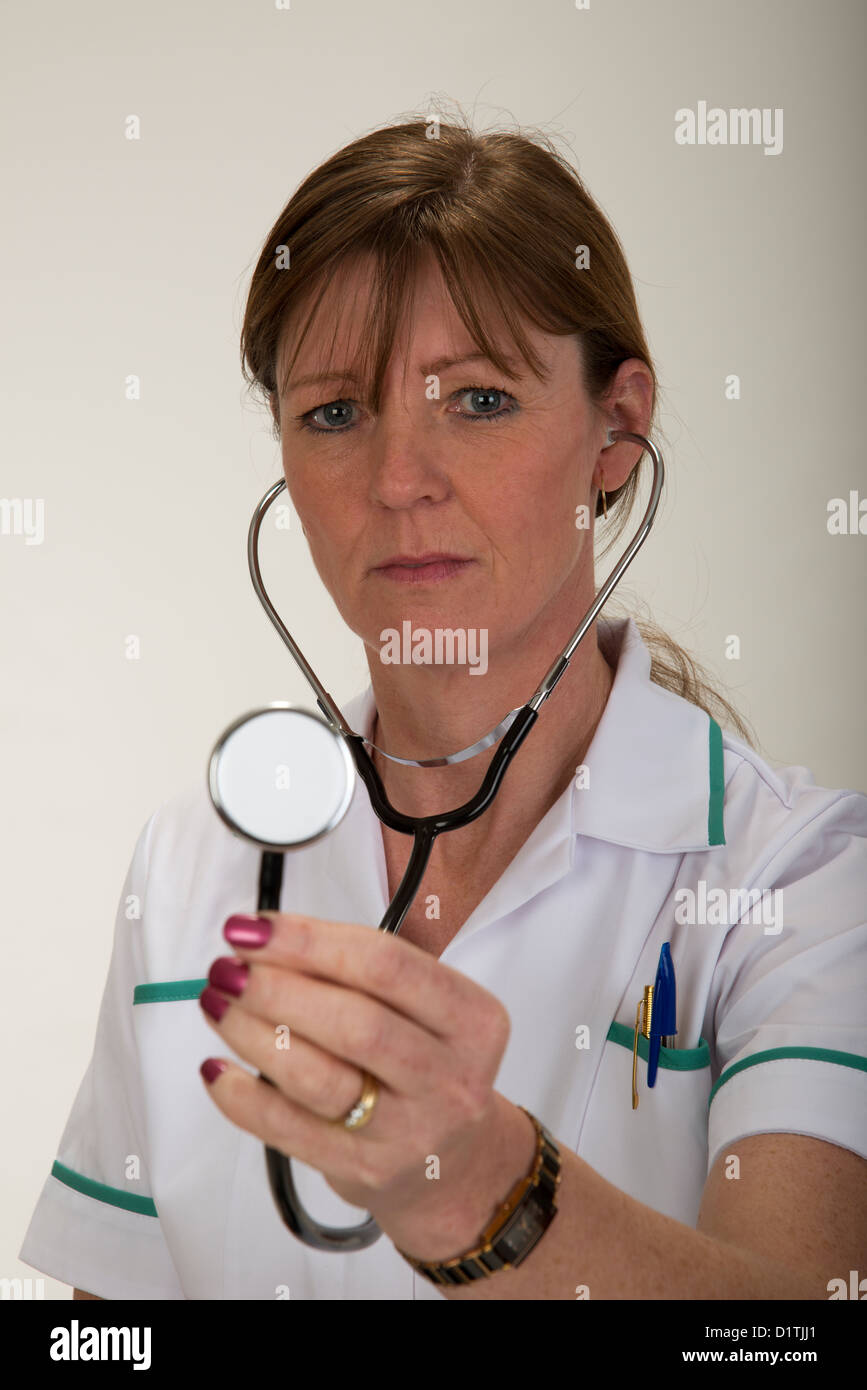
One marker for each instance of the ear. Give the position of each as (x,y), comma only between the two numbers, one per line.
(628,406)
(615,462)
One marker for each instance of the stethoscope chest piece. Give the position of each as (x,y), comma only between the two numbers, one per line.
(281,777)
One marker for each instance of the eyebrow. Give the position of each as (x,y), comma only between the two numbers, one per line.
(434,368)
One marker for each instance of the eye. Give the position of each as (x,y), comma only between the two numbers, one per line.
(485,398)
(339,405)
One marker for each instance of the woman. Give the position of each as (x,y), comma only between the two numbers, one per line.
(445,329)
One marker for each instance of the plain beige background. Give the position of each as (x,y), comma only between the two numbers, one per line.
(133,257)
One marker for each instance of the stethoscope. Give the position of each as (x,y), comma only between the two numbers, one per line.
(283,777)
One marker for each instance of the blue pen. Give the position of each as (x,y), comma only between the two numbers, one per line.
(663,1025)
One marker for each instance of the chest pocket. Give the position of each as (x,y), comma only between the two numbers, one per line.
(656,1153)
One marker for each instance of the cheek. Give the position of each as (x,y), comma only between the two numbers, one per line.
(317,504)
(301,484)
(545,531)
(331,534)
(535,515)
(328,548)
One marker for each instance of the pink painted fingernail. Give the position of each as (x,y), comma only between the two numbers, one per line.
(229,975)
(212,1068)
(213,1003)
(242,930)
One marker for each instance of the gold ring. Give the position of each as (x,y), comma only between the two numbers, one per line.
(364,1107)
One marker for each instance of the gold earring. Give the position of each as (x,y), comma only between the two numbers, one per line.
(602,490)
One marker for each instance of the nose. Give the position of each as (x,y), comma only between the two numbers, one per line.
(405,467)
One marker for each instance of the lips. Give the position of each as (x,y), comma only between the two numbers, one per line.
(430,568)
(432,557)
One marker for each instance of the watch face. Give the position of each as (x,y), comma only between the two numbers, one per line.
(523,1232)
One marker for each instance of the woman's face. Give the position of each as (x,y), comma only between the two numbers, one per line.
(440,477)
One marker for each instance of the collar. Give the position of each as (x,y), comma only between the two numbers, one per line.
(654,770)
(656,777)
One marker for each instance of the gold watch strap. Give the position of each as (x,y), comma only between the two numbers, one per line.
(516,1226)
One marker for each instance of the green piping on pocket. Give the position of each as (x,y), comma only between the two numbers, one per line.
(670,1058)
(115,1196)
(715,827)
(772,1054)
(169,992)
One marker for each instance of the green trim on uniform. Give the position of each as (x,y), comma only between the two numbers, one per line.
(670,1058)
(114,1196)
(772,1054)
(715,827)
(169,992)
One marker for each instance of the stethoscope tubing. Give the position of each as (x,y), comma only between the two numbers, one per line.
(424,829)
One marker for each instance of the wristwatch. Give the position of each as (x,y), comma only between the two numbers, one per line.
(516,1227)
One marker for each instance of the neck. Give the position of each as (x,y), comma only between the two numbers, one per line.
(448,715)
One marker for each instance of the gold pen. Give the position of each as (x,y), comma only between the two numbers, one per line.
(645,1003)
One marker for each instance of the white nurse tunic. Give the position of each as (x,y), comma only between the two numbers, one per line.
(771,1018)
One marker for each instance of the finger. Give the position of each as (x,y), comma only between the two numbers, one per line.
(356,1029)
(410,980)
(265,1112)
(304,1073)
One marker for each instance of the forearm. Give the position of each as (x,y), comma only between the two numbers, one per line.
(603,1244)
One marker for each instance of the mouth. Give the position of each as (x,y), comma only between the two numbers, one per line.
(431,568)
